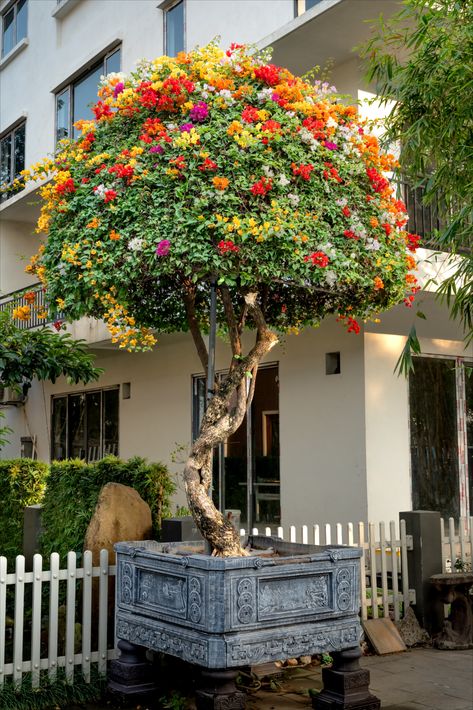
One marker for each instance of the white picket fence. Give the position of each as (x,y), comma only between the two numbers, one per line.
(384,579)
(42,586)
(457,544)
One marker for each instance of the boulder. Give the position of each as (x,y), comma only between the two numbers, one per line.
(120,514)
(410,630)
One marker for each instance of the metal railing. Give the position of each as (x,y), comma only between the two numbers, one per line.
(423,219)
(40,312)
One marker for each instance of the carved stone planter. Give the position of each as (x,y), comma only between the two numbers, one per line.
(227,613)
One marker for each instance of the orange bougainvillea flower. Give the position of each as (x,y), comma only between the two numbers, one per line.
(114,235)
(378,283)
(220,183)
(29,296)
(93,224)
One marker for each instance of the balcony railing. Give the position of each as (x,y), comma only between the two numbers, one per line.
(29,307)
(423,219)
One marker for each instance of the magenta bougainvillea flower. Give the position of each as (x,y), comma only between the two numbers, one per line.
(163,247)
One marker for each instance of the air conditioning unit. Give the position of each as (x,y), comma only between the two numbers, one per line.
(10,397)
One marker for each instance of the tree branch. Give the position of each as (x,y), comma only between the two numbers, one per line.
(231,320)
(189,303)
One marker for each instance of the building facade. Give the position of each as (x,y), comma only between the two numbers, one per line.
(333,435)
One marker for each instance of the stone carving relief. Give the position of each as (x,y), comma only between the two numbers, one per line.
(246,597)
(166,592)
(195,600)
(164,641)
(126,589)
(278,596)
(344,588)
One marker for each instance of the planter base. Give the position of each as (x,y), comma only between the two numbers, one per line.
(346,685)
(219,692)
(131,675)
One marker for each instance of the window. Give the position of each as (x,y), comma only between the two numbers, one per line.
(12,155)
(261,449)
(174,29)
(441,431)
(85,425)
(14,23)
(73,102)
(304,5)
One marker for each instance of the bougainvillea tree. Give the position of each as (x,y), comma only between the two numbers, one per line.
(220,167)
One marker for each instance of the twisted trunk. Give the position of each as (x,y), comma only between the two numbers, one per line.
(220,421)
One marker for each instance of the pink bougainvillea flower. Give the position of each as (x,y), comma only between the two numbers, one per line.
(200,112)
(330,145)
(186,127)
(163,247)
(118,89)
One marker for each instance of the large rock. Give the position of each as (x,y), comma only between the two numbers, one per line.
(120,514)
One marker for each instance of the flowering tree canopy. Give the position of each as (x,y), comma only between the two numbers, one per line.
(221,167)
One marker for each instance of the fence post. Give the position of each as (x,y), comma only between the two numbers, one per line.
(424,560)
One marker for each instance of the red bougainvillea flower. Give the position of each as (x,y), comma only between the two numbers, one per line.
(109,195)
(318,258)
(413,241)
(262,186)
(226,246)
(250,114)
(208,165)
(302,170)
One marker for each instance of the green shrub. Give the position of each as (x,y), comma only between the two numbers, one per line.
(22,483)
(73,490)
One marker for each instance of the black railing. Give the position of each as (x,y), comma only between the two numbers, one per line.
(36,310)
(423,219)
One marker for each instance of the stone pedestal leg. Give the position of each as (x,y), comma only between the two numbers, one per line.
(346,685)
(131,676)
(217,691)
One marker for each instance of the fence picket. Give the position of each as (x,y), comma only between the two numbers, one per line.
(103,611)
(461,534)
(328,534)
(53,615)
(361,542)
(305,534)
(471,542)
(36,620)
(394,567)
(87,615)
(280,533)
(451,535)
(339,534)
(70,614)
(19,618)
(373,578)
(350,542)
(384,569)
(292,533)
(316,535)
(3,607)
(405,576)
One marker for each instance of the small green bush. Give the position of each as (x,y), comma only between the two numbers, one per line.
(73,490)
(22,483)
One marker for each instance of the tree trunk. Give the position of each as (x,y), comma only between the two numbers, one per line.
(218,424)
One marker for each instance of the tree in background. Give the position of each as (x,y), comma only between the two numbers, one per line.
(42,354)
(422,58)
(220,168)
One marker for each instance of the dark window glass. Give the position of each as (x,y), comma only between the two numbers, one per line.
(230,465)
(8,39)
(434,447)
(59,429)
(469,427)
(62,114)
(76,421)
(85,425)
(5,159)
(110,422)
(19,151)
(311,3)
(94,429)
(21,20)
(175,29)
(85,94)
(113,62)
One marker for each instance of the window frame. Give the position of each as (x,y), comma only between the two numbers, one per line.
(464,475)
(10,132)
(84,393)
(75,79)
(168,7)
(13,6)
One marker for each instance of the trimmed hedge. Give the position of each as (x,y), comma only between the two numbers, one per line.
(73,490)
(22,483)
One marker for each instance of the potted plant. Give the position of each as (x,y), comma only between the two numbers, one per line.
(219,173)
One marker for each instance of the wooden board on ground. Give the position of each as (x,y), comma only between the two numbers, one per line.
(383,636)
(266,669)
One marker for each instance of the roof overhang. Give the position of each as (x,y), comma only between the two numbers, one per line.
(329,30)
